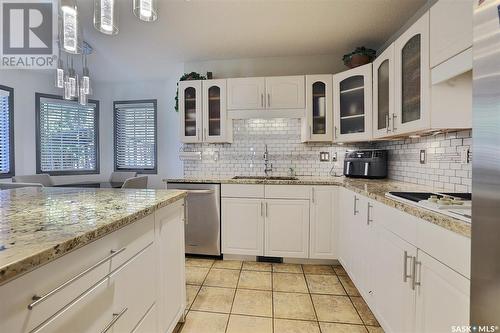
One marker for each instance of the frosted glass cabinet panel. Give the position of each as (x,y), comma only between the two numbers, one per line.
(352,104)
(383,93)
(216,125)
(317,126)
(190,111)
(412,85)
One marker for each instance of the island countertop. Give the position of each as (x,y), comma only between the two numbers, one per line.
(372,188)
(38,225)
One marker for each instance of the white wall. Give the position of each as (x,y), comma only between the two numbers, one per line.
(169,164)
(269,66)
(27,82)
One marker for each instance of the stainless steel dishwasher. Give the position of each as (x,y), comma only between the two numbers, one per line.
(202,228)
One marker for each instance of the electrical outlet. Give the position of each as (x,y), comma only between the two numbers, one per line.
(334,157)
(423,156)
(324,156)
(464,155)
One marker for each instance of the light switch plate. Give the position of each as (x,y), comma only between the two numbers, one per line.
(423,156)
(324,156)
(464,155)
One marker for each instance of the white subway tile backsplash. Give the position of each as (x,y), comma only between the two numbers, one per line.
(443,169)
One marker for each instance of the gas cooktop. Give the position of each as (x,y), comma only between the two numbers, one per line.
(457,205)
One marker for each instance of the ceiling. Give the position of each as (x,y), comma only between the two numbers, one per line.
(199,30)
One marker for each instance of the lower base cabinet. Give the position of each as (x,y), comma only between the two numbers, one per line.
(442,296)
(287,228)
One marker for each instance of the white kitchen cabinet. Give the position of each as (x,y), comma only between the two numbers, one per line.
(352,105)
(323,213)
(317,125)
(383,93)
(217,127)
(394,297)
(169,223)
(190,111)
(286,228)
(412,79)
(246,93)
(450,29)
(243,226)
(285,92)
(442,296)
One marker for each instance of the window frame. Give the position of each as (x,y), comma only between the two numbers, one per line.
(153,171)
(39,96)
(12,169)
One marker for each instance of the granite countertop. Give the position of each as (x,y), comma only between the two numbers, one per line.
(38,225)
(374,189)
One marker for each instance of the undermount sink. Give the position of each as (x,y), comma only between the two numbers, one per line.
(265,178)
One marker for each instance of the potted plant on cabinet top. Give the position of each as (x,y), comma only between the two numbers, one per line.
(360,56)
(186,77)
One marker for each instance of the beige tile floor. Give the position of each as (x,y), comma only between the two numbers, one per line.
(249,297)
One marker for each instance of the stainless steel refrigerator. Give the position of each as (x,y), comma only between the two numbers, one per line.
(485,265)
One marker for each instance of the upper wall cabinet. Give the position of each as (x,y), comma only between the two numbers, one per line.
(383,93)
(246,93)
(285,92)
(190,111)
(352,104)
(317,125)
(216,125)
(412,85)
(450,29)
(280,96)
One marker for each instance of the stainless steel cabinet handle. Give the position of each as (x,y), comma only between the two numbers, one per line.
(116,316)
(393,122)
(262,100)
(368,217)
(39,299)
(355,205)
(387,123)
(414,265)
(310,131)
(198,132)
(335,132)
(312,196)
(199,191)
(262,209)
(269,100)
(405,266)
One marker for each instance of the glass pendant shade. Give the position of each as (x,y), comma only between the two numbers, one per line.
(146,10)
(67,89)
(60,74)
(85,81)
(69,26)
(82,97)
(106,16)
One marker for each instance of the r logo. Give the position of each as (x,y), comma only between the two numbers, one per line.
(27,28)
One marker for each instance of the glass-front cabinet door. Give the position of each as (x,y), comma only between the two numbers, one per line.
(317,126)
(412,85)
(215,122)
(383,93)
(352,104)
(190,111)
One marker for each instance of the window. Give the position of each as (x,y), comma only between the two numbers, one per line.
(135,136)
(67,136)
(6,132)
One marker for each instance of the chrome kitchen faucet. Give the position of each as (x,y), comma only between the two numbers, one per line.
(268,166)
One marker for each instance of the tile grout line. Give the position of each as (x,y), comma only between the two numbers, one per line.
(234,297)
(310,297)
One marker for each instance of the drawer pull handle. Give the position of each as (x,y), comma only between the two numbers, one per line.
(414,282)
(39,299)
(116,316)
(405,266)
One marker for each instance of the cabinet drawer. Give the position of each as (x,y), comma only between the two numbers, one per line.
(132,238)
(287,191)
(134,289)
(242,191)
(148,322)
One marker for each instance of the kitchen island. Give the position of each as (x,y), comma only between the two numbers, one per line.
(82,260)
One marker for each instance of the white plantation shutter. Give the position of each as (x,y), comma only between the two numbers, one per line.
(67,136)
(135,135)
(5,133)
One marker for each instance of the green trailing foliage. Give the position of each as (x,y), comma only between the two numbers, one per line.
(186,77)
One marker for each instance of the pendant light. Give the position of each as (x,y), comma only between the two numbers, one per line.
(73,81)
(60,71)
(85,81)
(71,32)
(106,16)
(145,10)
